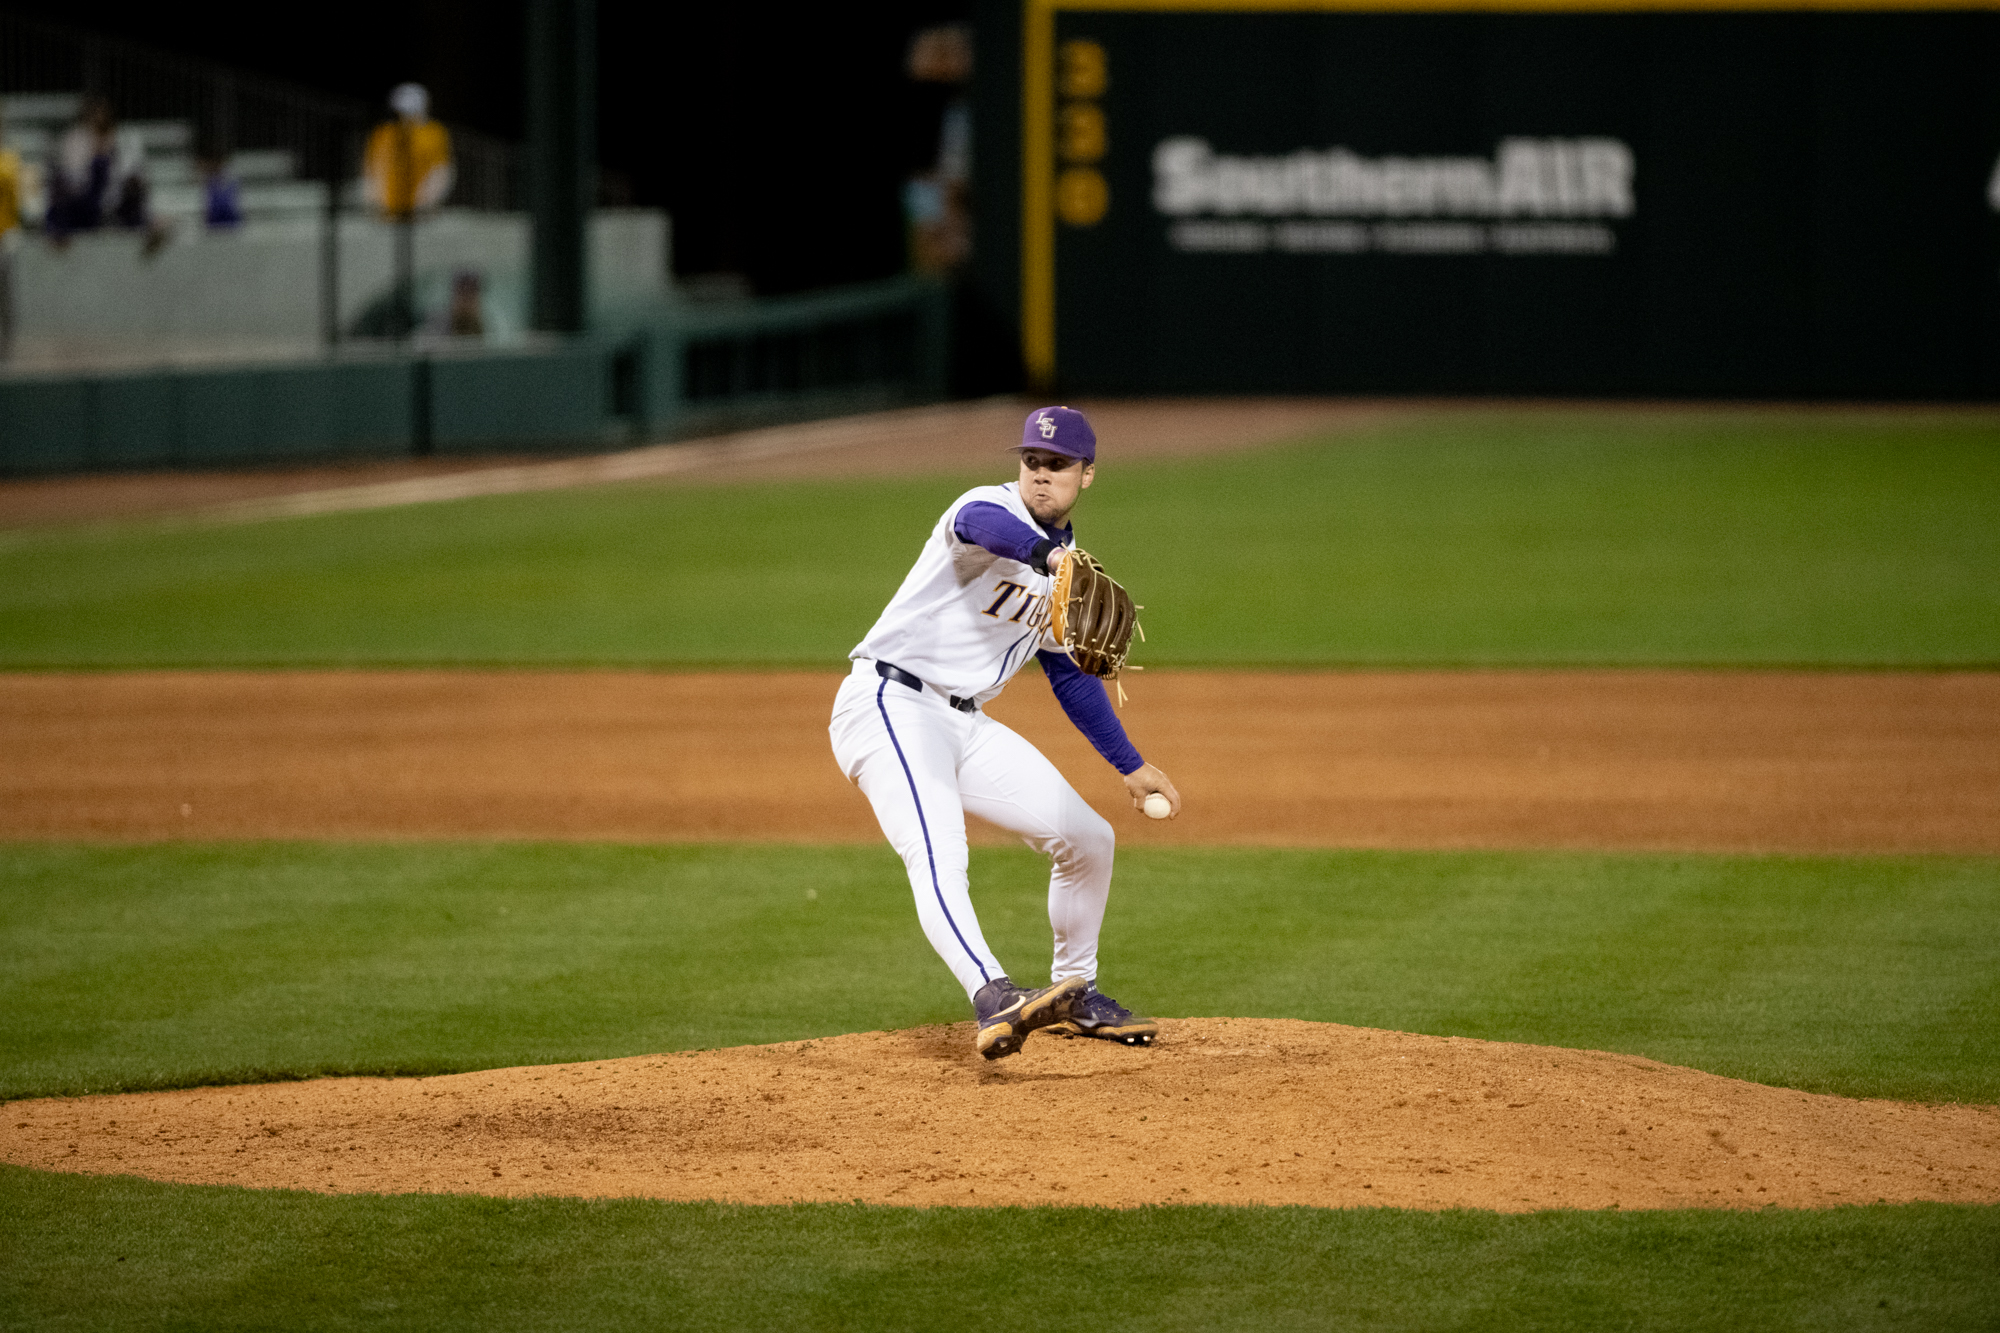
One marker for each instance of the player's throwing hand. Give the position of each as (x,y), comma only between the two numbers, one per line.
(1143,781)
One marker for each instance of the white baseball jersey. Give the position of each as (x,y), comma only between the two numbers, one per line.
(965,619)
(964,622)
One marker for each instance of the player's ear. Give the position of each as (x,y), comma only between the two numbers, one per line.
(1089,471)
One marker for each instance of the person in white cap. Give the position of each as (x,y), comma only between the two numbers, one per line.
(408,170)
(408,163)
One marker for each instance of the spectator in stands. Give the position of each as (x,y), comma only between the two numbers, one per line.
(408,168)
(98,178)
(408,163)
(937,203)
(465,318)
(221,193)
(13,186)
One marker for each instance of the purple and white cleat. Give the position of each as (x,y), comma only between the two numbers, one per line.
(1008,1013)
(1098,1015)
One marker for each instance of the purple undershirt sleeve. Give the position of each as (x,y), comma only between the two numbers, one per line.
(986,524)
(1082,697)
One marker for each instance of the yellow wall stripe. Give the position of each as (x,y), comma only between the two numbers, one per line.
(1038,172)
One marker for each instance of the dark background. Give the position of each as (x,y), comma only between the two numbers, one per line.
(1811,220)
(778,136)
(1804,227)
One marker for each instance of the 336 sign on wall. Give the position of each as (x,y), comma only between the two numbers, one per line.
(1243,197)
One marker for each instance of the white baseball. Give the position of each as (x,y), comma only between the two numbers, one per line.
(1158,806)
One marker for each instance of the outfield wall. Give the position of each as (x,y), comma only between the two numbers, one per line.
(1298,196)
(647,373)
(367,405)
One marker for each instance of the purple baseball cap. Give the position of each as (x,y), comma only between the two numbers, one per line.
(1060,430)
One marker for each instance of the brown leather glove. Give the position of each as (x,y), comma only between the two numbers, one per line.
(1093,617)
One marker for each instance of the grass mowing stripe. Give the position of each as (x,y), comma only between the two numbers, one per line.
(1518,538)
(1508,537)
(88,1253)
(174,964)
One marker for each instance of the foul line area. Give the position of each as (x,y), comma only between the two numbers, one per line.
(949,437)
(957,438)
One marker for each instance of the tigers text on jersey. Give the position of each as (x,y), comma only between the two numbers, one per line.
(965,619)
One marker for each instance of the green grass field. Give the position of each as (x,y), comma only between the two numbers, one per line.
(1514,537)
(1518,537)
(164,966)
(159,1256)
(170,965)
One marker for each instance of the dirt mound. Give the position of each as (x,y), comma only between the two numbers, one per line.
(1223,1110)
(1727,761)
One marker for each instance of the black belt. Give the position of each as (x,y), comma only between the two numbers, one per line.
(902,677)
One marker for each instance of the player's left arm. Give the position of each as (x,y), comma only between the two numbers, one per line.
(1082,697)
(986,524)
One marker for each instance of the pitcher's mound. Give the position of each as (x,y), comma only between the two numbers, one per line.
(1222,1110)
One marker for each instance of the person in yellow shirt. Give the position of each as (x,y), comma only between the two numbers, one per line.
(13,183)
(10,188)
(408,162)
(408,170)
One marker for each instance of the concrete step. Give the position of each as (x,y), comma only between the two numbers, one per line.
(264,199)
(40,109)
(251,167)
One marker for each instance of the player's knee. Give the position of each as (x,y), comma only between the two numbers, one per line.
(1089,840)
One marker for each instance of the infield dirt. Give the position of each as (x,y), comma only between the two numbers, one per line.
(1223,1110)
(1680,760)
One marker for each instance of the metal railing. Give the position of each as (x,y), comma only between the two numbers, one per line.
(691,370)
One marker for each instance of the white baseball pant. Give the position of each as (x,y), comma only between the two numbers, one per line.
(923,764)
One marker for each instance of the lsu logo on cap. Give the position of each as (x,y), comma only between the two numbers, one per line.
(1059,430)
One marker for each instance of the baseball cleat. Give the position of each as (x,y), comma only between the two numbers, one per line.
(1098,1015)
(1008,1013)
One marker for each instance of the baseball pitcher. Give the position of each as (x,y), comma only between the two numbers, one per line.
(1000,580)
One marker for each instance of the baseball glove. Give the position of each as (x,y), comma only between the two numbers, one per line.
(1093,617)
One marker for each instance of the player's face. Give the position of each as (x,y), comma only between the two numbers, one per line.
(1050,483)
